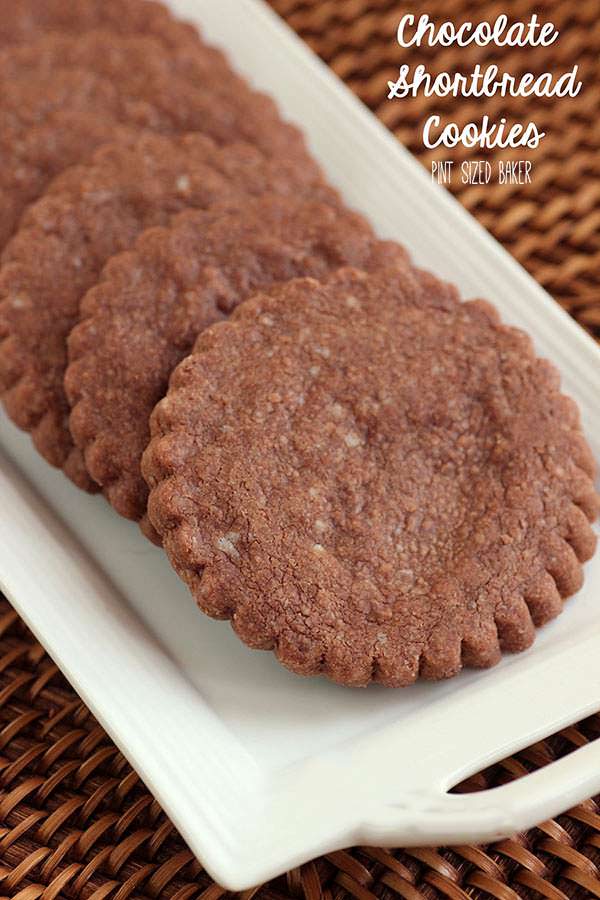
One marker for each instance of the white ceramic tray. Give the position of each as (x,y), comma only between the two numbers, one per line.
(261,770)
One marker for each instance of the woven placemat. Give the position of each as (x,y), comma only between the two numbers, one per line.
(552,226)
(75,820)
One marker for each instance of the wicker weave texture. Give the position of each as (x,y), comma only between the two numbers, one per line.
(552,226)
(75,820)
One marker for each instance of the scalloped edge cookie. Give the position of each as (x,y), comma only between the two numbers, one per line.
(90,213)
(375,490)
(150,304)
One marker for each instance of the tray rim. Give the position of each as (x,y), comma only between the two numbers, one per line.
(223,830)
(234,850)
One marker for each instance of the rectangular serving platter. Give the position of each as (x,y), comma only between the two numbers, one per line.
(261,770)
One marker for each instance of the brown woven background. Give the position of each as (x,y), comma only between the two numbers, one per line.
(75,820)
(552,226)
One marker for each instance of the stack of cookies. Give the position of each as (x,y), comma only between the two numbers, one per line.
(363,473)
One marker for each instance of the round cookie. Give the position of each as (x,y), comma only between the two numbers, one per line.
(89,214)
(23,21)
(150,304)
(373,489)
(61,96)
(48,124)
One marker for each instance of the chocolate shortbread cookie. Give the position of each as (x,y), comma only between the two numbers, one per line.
(146,312)
(102,51)
(89,214)
(373,489)
(62,96)
(47,124)
(23,21)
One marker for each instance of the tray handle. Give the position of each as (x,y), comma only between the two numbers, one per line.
(491,814)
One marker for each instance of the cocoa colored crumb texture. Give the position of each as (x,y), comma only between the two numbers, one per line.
(151,304)
(22,21)
(62,96)
(373,488)
(89,214)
